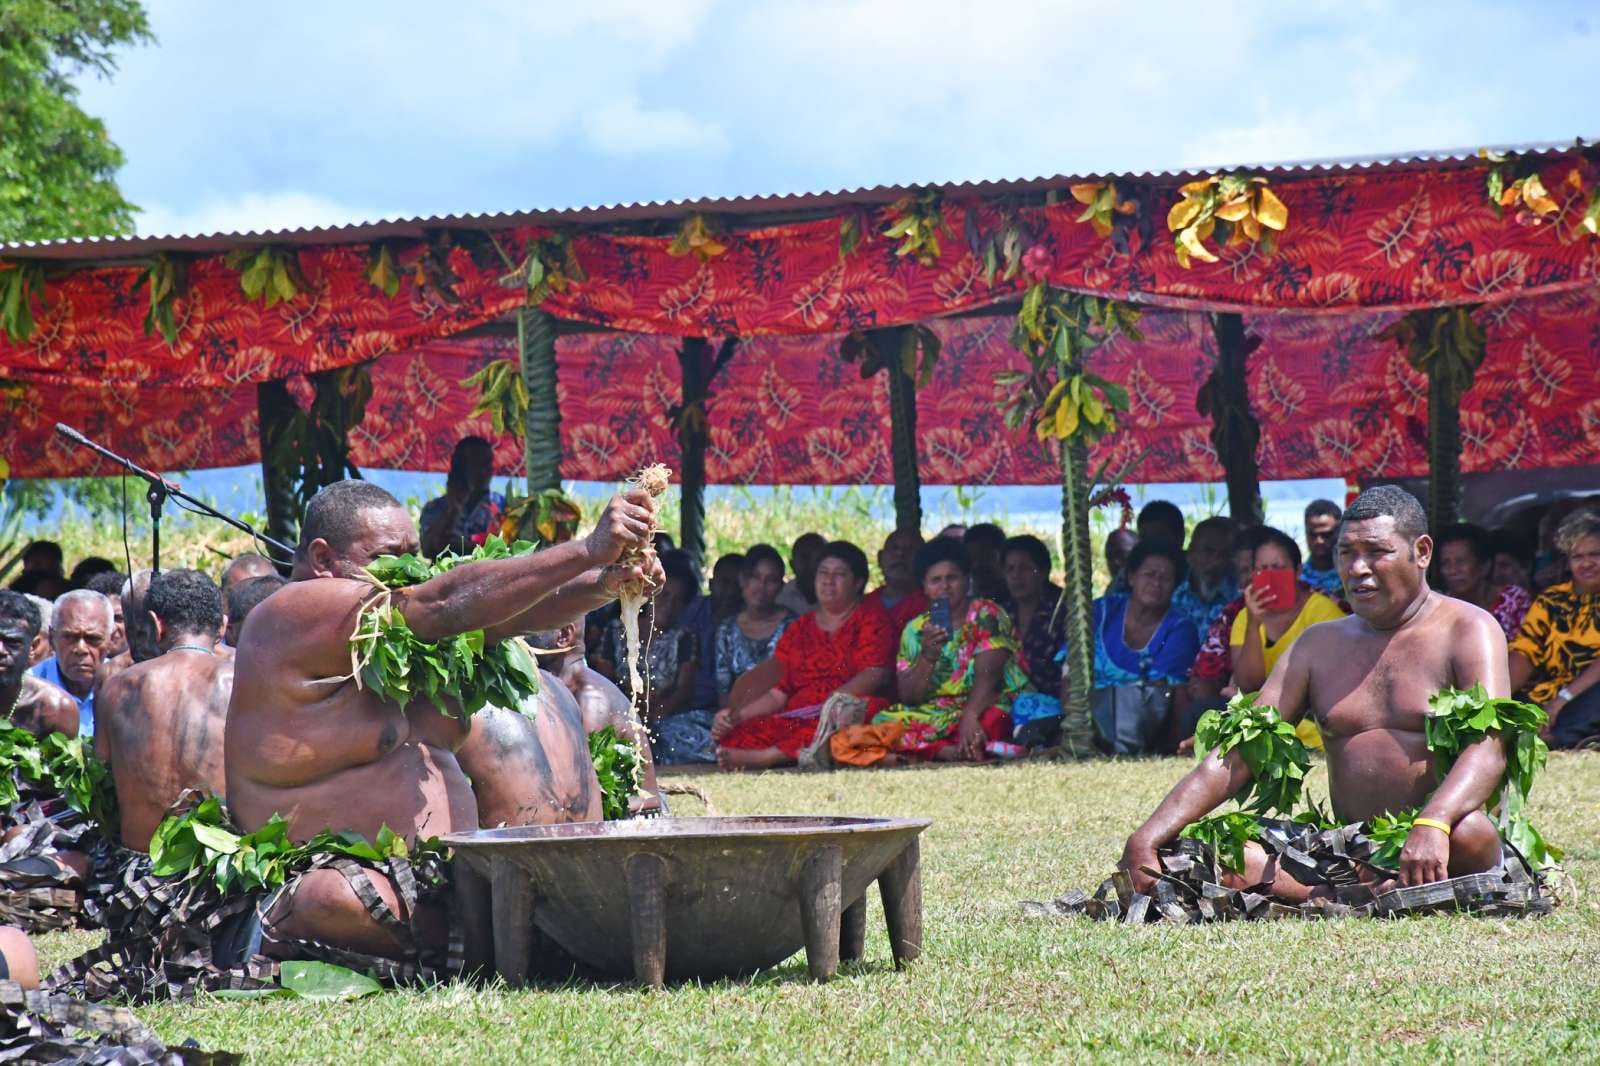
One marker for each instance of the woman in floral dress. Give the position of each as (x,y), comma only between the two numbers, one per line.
(956,687)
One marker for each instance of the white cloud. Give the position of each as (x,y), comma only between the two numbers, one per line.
(250,212)
(622,128)
(503,104)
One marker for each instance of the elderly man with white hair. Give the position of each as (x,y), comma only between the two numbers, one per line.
(81,624)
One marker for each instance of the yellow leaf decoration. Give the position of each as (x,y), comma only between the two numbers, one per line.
(1102,205)
(695,238)
(1236,208)
(917,222)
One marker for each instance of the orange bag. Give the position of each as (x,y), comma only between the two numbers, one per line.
(864,745)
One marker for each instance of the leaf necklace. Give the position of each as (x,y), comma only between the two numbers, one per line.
(193,647)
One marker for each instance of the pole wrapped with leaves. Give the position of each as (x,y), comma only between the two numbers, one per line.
(1058,331)
(1448,345)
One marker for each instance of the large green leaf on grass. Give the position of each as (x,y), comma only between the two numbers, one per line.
(325,981)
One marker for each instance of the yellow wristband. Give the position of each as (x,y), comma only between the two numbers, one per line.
(1431,823)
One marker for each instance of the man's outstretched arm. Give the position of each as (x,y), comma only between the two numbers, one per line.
(587,592)
(490,593)
(1209,784)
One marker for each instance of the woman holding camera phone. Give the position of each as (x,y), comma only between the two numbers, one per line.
(956,675)
(1278,607)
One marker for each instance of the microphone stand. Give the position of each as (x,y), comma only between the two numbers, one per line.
(160,489)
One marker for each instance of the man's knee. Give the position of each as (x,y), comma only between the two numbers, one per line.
(22,962)
(323,907)
(1474,845)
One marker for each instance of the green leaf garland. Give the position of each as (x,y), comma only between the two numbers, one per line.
(1458,719)
(617,765)
(67,764)
(200,838)
(391,660)
(1277,759)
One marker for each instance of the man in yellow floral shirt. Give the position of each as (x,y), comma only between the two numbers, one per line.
(1555,656)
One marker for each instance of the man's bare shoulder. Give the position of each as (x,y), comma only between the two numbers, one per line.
(49,696)
(304,626)
(312,598)
(1465,618)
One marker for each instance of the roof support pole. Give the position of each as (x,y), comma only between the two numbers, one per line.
(890,342)
(1235,432)
(698,368)
(694,360)
(541,437)
(275,413)
(1444,453)
(903,432)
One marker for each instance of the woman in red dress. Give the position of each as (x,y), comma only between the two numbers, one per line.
(845,645)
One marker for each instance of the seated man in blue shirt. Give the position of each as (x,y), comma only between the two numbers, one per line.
(81,625)
(1319,570)
(1211,584)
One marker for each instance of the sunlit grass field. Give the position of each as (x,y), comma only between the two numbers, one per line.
(992,986)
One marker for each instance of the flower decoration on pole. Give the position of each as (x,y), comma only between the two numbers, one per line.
(1235,209)
(1057,330)
(551,515)
(551,265)
(1514,181)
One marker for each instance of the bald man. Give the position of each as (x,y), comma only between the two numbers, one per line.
(138,629)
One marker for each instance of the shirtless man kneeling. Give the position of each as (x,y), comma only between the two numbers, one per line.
(539,772)
(1367,680)
(304,740)
(161,721)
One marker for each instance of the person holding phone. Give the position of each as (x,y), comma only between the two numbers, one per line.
(1278,607)
(956,675)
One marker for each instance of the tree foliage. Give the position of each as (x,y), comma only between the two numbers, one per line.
(57,164)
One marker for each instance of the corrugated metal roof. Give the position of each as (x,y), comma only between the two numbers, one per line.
(780,204)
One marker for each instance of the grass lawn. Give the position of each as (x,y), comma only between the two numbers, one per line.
(992,986)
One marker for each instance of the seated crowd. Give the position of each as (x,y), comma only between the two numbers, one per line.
(959,651)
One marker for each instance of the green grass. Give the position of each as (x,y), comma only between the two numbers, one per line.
(993,986)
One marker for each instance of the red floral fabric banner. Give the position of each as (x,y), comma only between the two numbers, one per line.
(1387,238)
(1332,398)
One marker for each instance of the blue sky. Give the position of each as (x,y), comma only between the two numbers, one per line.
(312,113)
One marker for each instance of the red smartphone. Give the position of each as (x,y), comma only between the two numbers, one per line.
(1276,587)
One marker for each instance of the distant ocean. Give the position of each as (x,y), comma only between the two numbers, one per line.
(237,490)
